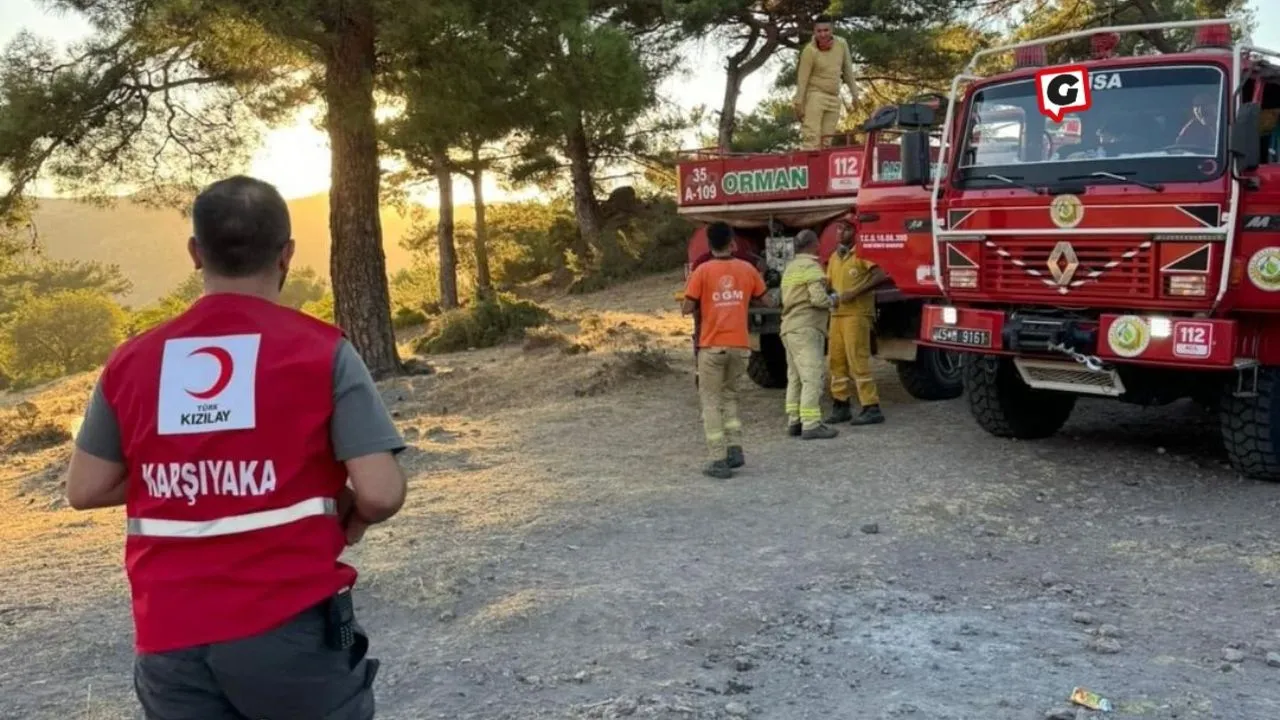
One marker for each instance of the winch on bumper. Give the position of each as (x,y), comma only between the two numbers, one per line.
(1081,354)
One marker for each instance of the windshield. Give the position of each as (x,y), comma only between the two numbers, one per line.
(1148,123)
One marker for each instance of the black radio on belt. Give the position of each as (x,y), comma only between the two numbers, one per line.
(340,617)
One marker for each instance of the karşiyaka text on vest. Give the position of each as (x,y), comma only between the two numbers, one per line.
(194,480)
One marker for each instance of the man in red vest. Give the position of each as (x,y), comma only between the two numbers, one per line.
(229,434)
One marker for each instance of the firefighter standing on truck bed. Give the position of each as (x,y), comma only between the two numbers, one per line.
(825,65)
(805,305)
(853,280)
(229,434)
(720,291)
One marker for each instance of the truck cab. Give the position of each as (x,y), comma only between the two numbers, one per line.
(1123,247)
(770,197)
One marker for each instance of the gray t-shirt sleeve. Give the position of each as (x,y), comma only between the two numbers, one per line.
(100,434)
(361,424)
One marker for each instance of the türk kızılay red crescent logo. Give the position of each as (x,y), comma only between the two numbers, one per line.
(207,384)
(1128,336)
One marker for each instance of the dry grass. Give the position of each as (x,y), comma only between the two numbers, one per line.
(464,422)
(549,338)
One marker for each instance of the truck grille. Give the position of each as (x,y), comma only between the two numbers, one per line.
(1106,268)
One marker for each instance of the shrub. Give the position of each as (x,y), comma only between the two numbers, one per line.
(407,317)
(487,323)
(66,332)
(25,431)
(321,309)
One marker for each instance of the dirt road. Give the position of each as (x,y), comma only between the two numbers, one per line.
(561,557)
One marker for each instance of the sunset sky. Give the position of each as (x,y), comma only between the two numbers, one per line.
(296,158)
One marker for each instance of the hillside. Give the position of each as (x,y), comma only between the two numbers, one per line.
(150,245)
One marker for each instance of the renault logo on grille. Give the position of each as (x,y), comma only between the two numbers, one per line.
(1063,263)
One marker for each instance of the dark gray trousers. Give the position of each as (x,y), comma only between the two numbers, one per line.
(284,674)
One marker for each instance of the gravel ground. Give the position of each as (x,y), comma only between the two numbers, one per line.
(562,557)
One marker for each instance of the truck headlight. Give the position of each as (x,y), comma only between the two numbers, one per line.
(950,315)
(1188,285)
(963,278)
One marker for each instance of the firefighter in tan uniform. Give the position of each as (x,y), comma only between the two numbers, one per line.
(825,64)
(853,281)
(805,306)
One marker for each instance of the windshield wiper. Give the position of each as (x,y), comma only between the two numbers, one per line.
(1116,176)
(1012,181)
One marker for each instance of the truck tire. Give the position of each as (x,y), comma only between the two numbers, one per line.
(1006,407)
(768,365)
(934,374)
(1251,429)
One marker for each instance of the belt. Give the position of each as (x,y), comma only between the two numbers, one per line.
(234,524)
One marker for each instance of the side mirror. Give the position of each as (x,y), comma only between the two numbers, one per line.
(915,158)
(1246,143)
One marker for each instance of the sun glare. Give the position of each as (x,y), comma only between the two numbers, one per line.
(295,159)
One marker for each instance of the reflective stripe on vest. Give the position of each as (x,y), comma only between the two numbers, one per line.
(153,527)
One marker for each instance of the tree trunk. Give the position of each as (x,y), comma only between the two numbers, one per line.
(729,108)
(483,282)
(444,233)
(585,207)
(357,264)
(739,66)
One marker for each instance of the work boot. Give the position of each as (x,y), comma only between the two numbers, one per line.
(795,429)
(735,458)
(870,415)
(718,469)
(840,412)
(820,432)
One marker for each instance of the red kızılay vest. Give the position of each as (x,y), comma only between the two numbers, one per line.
(231,501)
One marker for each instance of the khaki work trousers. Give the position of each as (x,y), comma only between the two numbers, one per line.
(821,115)
(804,376)
(719,370)
(849,359)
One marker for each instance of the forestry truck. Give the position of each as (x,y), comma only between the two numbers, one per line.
(1138,261)
(769,197)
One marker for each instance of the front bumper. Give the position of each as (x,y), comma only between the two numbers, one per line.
(1140,338)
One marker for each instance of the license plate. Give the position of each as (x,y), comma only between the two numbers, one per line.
(962,336)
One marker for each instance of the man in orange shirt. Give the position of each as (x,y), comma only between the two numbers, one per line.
(720,291)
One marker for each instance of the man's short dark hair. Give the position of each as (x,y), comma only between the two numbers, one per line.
(241,224)
(719,235)
(806,239)
(823,19)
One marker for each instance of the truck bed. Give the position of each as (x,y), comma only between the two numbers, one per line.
(799,188)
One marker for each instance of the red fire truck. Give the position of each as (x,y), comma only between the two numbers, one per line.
(769,197)
(1140,262)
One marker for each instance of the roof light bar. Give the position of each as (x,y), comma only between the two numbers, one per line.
(1104,44)
(1033,56)
(1213,37)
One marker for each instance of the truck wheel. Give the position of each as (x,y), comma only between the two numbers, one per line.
(768,365)
(934,374)
(1251,429)
(1006,407)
